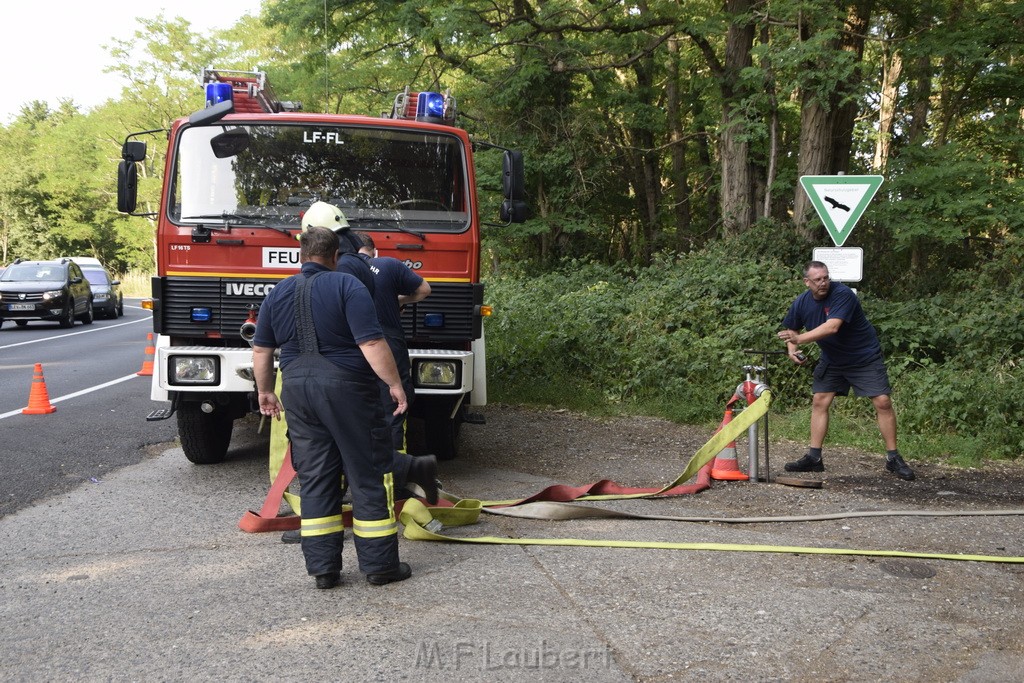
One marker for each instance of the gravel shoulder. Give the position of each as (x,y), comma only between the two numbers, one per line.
(776,616)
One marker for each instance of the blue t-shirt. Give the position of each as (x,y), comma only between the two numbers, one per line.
(359,266)
(855,343)
(343,316)
(391,278)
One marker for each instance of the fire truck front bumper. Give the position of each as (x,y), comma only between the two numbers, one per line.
(205,369)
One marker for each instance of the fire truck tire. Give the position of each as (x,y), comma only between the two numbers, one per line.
(441,434)
(204,436)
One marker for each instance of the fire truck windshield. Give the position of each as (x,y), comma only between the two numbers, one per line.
(267,175)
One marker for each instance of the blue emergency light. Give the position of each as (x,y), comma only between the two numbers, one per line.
(217,93)
(430,104)
(433,320)
(201,315)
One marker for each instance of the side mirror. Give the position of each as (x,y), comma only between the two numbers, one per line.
(133,150)
(127,185)
(514,211)
(513,177)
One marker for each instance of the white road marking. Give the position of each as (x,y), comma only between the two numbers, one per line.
(72,334)
(77,393)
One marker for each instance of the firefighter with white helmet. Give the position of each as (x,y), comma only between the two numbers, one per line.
(422,471)
(324,215)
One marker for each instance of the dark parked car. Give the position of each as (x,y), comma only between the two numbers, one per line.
(106,291)
(45,290)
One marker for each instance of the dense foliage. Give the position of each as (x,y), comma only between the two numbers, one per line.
(670,339)
(664,141)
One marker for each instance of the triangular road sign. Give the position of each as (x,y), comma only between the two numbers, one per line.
(840,200)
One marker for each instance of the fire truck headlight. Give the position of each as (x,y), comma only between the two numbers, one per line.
(204,370)
(436,373)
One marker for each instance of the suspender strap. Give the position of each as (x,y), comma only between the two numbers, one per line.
(304,328)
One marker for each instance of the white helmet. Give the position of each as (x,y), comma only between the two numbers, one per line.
(324,215)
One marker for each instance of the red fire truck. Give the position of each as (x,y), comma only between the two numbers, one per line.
(240,173)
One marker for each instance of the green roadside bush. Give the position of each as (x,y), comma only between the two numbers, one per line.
(669,340)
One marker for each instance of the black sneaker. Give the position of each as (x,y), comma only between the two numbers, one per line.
(805,464)
(400,573)
(901,469)
(328,580)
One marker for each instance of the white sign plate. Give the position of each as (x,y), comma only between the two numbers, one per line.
(845,264)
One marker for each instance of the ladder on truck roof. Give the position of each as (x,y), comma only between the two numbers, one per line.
(250,91)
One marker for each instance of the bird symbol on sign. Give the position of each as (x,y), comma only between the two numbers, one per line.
(835,204)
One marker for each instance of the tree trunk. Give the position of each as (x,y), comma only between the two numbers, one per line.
(773,128)
(677,151)
(737,186)
(892,68)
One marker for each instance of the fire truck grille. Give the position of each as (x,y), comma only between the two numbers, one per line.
(447,315)
(228,300)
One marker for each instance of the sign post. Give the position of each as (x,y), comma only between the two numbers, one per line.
(840,200)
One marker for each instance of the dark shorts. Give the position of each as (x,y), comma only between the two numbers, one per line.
(869,379)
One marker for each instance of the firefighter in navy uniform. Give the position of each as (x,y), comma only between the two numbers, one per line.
(395,285)
(332,352)
(356,252)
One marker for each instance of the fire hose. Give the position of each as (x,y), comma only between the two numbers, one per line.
(422,523)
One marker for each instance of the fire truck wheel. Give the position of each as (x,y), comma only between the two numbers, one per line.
(204,436)
(441,433)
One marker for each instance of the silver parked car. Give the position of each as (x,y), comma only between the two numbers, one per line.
(107,299)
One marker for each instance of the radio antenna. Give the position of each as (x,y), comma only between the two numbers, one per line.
(327,73)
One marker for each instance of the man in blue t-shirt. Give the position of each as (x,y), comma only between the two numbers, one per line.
(851,356)
(394,286)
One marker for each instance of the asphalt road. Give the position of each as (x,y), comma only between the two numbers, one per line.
(121,561)
(90,374)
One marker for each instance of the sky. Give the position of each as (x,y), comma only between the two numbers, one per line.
(52,49)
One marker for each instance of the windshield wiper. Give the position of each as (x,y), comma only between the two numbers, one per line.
(385,221)
(253,221)
(411,231)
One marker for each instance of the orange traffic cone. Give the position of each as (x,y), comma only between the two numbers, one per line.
(147,363)
(724,466)
(38,397)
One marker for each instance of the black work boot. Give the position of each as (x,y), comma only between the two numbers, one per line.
(423,472)
(400,573)
(328,580)
(901,469)
(806,464)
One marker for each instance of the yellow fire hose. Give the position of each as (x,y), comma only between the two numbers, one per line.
(426,524)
